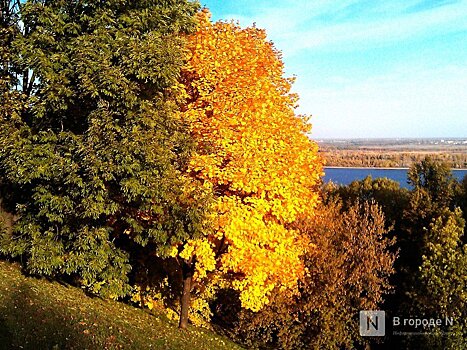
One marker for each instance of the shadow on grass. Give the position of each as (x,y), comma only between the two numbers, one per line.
(30,320)
(5,335)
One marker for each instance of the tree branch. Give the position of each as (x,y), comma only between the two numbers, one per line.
(25,82)
(31,84)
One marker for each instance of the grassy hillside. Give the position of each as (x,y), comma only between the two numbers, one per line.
(39,314)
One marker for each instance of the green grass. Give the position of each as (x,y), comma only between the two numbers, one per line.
(39,314)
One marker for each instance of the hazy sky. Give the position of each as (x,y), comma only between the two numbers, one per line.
(369,68)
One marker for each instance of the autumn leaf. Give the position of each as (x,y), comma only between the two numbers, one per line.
(254,152)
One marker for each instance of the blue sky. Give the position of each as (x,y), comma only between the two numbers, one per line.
(369,68)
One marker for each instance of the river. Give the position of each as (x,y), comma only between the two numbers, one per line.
(344,176)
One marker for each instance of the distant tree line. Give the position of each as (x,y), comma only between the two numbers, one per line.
(389,159)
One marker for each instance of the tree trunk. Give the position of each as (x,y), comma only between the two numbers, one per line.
(187,272)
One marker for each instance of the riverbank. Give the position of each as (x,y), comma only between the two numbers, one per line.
(363,167)
(381,168)
(346,175)
(393,153)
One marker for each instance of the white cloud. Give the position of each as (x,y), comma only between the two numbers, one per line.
(434,103)
(299,25)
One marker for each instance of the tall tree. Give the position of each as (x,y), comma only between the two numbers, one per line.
(442,281)
(253,152)
(433,194)
(461,198)
(434,179)
(92,150)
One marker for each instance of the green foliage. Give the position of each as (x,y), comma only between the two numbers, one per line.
(444,267)
(385,192)
(460,197)
(92,149)
(442,279)
(429,268)
(433,178)
(346,272)
(433,193)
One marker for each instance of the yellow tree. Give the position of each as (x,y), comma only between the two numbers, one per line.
(254,154)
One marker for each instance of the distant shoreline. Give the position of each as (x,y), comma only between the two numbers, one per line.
(376,168)
(362,167)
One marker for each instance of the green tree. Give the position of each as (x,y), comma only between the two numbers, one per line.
(433,192)
(461,198)
(434,179)
(92,150)
(442,281)
(386,192)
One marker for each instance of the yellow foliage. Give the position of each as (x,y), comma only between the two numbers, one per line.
(205,258)
(253,151)
(200,312)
